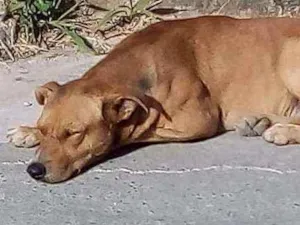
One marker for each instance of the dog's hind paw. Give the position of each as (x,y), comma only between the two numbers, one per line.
(252,126)
(282,134)
(24,137)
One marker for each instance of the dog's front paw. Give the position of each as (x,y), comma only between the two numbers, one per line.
(24,137)
(252,126)
(279,134)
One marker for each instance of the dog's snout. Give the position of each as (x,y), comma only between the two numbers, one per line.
(36,170)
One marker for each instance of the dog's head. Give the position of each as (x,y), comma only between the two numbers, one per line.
(76,127)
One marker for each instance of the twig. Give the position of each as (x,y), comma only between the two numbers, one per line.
(5,47)
(223,6)
(131,4)
(69,11)
(154,4)
(58,4)
(13,32)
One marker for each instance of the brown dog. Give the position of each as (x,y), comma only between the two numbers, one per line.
(173,81)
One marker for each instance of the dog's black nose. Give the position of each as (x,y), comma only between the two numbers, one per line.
(36,170)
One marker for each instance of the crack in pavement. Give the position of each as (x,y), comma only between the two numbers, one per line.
(181,171)
(194,170)
(20,162)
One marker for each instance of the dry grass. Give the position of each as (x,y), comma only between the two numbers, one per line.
(40,26)
(31,29)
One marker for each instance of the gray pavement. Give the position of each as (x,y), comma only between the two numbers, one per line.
(228,180)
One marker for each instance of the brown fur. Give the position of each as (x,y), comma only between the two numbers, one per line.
(174,81)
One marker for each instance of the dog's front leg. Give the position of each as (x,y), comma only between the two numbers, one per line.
(252,126)
(24,137)
(274,129)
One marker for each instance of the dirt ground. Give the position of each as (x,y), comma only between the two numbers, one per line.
(240,8)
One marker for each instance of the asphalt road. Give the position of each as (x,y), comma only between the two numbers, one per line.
(228,180)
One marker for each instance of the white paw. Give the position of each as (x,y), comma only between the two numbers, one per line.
(277,134)
(22,137)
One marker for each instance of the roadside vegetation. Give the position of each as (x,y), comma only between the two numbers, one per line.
(28,27)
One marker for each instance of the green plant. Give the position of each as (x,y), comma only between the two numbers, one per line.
(35,17)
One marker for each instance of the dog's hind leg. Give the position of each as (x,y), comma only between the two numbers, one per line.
(287,132)
(24,137)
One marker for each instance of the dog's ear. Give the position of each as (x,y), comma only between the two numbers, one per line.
(121,108)
(43,93)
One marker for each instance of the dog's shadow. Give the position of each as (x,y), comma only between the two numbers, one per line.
(119,152)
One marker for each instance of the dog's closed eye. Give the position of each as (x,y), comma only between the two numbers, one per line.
(71,133)
(74,136)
